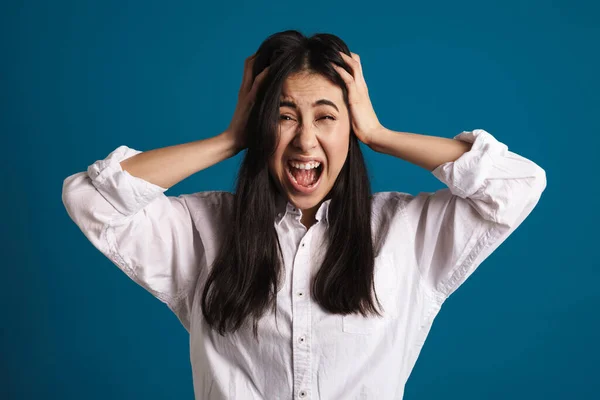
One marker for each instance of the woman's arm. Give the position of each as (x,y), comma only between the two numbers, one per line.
(490,191)
(168,166)
(425,151)
(161,242)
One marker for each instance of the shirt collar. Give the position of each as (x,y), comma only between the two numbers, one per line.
(283,207)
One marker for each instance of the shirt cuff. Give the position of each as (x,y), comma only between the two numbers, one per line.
(467,174)
(126,193)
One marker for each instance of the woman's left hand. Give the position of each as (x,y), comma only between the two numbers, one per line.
(364,120)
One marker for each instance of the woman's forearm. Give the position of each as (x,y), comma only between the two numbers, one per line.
(168,166)
(425,151)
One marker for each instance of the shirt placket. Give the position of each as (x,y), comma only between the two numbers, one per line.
(301,323)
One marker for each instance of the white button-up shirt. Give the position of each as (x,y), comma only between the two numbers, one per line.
(428,245)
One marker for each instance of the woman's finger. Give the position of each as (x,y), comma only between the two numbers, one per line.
(351,63)
(356,58)
(345,75)
(247,79)
(257,81)
(354,61)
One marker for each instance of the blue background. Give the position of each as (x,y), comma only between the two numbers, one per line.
(79,78)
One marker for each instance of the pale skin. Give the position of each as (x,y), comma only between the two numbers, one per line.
(310,129)
(320,131)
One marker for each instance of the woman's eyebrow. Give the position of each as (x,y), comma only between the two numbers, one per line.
(291,104)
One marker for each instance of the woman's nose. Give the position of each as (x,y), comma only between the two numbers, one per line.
(305,138)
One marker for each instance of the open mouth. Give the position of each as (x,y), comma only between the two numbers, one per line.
(304,178)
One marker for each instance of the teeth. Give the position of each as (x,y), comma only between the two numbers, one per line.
(309,165)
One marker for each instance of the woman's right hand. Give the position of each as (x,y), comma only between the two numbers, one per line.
(246,97)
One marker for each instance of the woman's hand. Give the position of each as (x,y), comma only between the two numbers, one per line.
(246,97)
(364,120)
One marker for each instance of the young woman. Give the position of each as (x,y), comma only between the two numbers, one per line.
(302,284)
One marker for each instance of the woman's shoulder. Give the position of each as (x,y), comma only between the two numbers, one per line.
(210,210)
(214,202)
(390,200)
(210,197)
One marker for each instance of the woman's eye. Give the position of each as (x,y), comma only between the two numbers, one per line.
(288,118)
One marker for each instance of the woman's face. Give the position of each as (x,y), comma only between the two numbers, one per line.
(314,128)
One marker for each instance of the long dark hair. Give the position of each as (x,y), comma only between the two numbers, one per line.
(247,272)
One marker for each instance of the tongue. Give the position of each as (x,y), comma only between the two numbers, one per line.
(305,177)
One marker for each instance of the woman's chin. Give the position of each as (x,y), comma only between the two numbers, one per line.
(305,202)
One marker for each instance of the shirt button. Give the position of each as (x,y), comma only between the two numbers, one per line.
(302,393)
(279,215)
(300,294)
(301,339)
(302,244)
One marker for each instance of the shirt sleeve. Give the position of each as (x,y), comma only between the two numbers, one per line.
(149,236)
(490,191)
